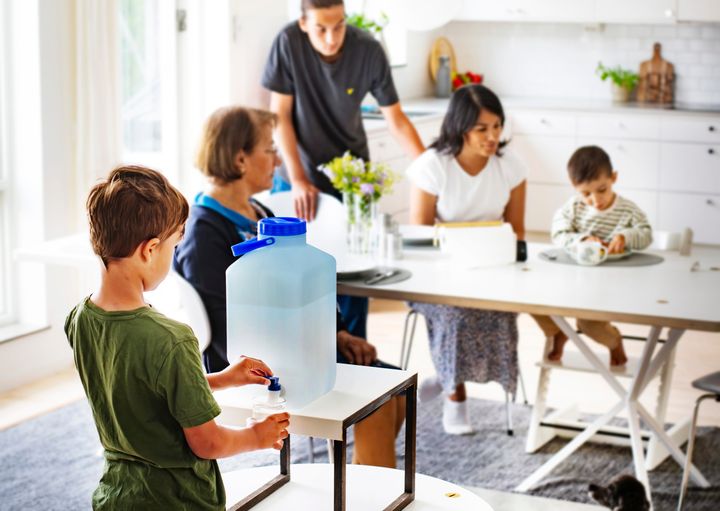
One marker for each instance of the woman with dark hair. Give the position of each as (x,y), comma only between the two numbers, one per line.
(466,175)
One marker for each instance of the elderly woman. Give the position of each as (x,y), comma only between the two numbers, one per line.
(466,175)
(238,158)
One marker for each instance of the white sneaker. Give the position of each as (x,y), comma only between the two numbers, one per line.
(429,389)
(456,419)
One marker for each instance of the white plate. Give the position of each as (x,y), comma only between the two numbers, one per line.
(354,266)
(622,255)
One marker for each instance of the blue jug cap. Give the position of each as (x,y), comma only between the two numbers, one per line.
(274,383)
(282,226)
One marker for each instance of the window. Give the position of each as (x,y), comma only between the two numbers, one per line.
(5,282)
(148,83)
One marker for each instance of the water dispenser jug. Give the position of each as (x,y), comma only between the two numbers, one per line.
(281,306)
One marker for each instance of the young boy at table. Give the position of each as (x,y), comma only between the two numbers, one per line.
(153,406)
(596,213)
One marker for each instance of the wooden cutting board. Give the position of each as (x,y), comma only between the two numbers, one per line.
(657,79)
(441,46)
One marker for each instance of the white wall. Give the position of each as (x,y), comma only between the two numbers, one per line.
(559,60)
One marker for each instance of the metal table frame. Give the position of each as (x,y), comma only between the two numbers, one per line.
(409,389)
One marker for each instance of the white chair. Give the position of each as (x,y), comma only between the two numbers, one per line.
(566,418)
(177,299)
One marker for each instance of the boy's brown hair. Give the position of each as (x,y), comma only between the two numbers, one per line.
(134,204)
(228,131)
(306,5)
(588,164)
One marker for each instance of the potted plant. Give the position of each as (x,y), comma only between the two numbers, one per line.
(374,27)
(623,81)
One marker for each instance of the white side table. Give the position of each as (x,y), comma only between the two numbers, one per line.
(310,489)
(358,392)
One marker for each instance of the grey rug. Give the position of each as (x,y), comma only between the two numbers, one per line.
(54,462)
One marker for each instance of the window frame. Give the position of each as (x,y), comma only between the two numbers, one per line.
(7,282)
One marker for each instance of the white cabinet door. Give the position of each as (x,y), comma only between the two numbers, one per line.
(539,122)
(701,213)
(546,157)
(636,11)
(491,10)
(397,203)
(690,168)
(698,10)
(542,202)
(691,129)
(384,147)
(528,10)
(643,127)
(636,161)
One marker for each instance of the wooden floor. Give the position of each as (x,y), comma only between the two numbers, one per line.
(698,354)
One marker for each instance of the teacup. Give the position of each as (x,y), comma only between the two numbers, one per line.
(588,253)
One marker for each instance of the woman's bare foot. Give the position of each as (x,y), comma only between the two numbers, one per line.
(558,346)
(618,356)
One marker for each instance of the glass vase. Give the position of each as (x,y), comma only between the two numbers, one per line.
(361,211)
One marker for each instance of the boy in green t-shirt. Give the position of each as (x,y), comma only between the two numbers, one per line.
(142,374)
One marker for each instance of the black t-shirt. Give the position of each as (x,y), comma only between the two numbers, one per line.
(327,96)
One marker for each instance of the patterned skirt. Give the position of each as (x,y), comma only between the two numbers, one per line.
(472,345)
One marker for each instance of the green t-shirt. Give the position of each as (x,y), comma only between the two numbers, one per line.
(143,377)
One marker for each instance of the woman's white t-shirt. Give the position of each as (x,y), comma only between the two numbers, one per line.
(462,197)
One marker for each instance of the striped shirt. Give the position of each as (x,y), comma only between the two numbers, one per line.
(576,220)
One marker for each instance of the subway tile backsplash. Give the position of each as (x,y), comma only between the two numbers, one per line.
(559,60)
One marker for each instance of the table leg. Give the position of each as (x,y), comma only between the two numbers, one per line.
(571,447)
(538,436)
(271,486)
(339,461)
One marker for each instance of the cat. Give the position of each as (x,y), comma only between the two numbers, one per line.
(624,493)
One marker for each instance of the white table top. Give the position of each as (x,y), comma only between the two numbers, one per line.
(355,387)
(311,487)
(666,294)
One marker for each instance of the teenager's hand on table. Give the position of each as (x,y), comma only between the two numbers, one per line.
(248,370)
(272,431)
(617,244)
(355,349)
(305,196)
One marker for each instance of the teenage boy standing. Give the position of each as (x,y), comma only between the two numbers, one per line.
(318,72)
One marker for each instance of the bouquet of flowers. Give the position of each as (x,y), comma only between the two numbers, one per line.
(361,183)
(359,179)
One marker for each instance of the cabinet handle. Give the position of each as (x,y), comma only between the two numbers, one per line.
(711,151)
(710,202)
(544,121)
(711,128)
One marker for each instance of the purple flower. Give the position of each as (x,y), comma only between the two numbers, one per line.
(367,188)
(355,180)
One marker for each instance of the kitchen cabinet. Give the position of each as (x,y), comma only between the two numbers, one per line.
(636,11)
(384,148)
(528,10)
(698,10)
(585,11)
(700,212)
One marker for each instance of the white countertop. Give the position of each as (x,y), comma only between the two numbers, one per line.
(439,106)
